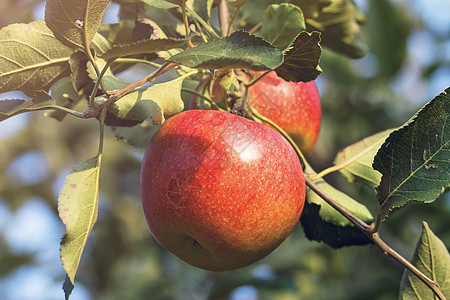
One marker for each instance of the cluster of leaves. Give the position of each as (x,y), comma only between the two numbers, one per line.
(70,60)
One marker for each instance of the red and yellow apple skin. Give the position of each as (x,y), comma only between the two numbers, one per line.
(220,191)
(295,107)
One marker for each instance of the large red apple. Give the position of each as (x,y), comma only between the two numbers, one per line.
(295,107)
(220,191)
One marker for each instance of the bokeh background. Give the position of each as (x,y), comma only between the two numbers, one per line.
(407,65)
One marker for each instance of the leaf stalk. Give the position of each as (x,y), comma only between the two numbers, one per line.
(255,80)
(341,165)
(203,97)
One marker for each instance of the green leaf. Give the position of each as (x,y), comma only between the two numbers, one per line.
(389,31)
(414,159)
(41,101)
(111,82)
(77,208)
(144,47)
(64,95)
(32,58)
(203,8)
(360,169)
(154,102)
(118,33)
(74,21)
(137,136)
(253,11)
(100,44)
(339,22)
(301,62)
(312,8)
(79,74)
(239,50)
(433,260)
(321,222)
(281,24)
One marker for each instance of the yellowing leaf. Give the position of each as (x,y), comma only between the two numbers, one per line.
(31,58)
(154,102)
(77,208)
(74,20)
(362,154)
(177,2)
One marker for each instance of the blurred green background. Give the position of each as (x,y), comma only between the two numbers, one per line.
(407,65)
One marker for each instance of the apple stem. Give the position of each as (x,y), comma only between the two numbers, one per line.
(203,97)
(240,103)
(282,132)
(255,80)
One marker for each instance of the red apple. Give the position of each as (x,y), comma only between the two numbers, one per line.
(295,107)
(220,191)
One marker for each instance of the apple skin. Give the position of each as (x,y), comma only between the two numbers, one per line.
(294,106)
(220,191)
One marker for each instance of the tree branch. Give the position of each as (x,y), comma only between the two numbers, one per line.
(392,253)
(362,226)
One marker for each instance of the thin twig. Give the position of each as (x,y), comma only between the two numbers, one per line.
(149,78)
(129,60)
(392,253)
(255,28)
(212,32)
(366,229)
(342,165)
(98,82)
(230,25)
(362,226)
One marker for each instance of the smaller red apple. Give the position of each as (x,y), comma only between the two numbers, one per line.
(220,191)
(295,107)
